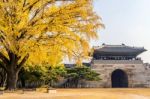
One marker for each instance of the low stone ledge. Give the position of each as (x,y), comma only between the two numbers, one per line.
(1,92)
(52,90)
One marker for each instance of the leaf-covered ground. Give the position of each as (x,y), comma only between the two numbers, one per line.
(107,93)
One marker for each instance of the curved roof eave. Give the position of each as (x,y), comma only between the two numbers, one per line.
(120,50)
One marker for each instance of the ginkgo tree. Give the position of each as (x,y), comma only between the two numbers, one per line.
(43,32)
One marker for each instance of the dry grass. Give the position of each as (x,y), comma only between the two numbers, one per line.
(83,94)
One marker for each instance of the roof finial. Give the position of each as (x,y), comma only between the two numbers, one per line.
(123,44)
(103,44)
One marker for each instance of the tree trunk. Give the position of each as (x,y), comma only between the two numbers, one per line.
(12,67)
(12,77)
(23,83)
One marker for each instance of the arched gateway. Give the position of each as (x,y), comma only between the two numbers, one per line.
(119,79)
(107,58)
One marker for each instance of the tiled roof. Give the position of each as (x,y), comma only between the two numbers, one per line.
(118,50)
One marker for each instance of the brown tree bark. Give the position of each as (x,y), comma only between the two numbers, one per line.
(12,77)
(12,68)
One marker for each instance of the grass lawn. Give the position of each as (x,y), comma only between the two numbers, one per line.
(96,93)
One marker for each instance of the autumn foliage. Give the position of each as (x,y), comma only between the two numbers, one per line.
(44,32)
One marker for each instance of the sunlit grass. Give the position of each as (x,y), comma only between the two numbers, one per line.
(83,94)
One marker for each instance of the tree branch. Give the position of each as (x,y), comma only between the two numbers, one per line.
(22,62)
(4,58)
(31,6)
(24,3)
(3,66)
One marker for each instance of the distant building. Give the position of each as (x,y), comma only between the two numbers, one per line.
(119,66)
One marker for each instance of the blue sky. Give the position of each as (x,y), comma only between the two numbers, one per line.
(126,21)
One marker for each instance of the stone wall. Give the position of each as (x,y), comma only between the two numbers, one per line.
(137,72)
